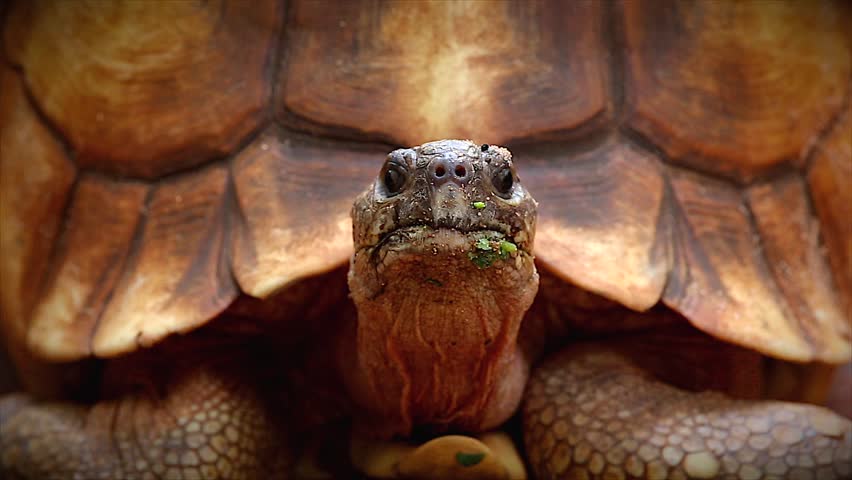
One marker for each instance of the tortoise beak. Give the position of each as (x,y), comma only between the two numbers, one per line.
(451,207)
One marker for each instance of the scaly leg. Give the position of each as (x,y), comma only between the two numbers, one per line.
(591,412)
(203,416)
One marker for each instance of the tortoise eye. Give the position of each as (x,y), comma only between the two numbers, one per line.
(394,179)
(503,180)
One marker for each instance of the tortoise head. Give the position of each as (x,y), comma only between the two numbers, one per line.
(448,184)
(442,275)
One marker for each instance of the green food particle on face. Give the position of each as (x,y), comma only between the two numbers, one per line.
(487,250)
(469,459)
(507,247)
(479,205)
(482,259)
(435,282)
(483,244)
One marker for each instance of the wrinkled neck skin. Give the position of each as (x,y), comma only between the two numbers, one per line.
(434,347)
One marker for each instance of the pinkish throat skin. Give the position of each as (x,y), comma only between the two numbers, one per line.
(435,343)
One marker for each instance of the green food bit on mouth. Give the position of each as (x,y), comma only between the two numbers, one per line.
(507,247)
(469,459)
(435,282)
(483,244)
(482,259)
(487,250)
(478,205)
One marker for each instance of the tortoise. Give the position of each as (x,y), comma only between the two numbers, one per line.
(178,258)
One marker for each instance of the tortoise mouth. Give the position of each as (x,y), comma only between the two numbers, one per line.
(448,249)
(450,237)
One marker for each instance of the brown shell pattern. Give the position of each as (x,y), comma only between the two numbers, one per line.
(160,158)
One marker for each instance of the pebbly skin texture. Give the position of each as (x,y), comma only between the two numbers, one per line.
(592,412)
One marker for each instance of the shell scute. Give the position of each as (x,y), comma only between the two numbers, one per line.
(293,198)
(101,223)
(734,89)
(35,185)
(599,216)
(722,282)
(395,72)
(829,178)
(144,89)
(178,276)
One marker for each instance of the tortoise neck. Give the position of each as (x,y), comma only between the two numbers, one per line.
(435,341)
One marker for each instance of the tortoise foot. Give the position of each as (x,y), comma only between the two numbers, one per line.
(592,413)
(490,456)
(207,425)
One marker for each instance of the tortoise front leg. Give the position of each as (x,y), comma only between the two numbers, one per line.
(204,417)
(590,412)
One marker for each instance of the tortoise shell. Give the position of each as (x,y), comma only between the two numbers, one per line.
(159,160)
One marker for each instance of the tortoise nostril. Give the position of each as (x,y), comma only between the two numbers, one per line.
(455,170)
